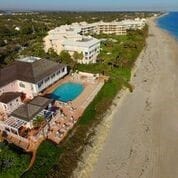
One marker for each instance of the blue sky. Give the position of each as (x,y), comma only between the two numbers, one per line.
(116,5)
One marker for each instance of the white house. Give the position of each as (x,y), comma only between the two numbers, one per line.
(30,76)
(10,101)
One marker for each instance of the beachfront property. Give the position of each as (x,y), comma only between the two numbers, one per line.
(100,27)
(134,24)
(40,101)
(69,39)
(76,37)
(30,76)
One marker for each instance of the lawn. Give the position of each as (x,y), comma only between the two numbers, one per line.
(47,156)
(12,161)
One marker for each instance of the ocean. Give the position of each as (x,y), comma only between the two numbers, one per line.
(169,23)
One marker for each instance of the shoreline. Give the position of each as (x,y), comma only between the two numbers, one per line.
(92,155)
(164,30)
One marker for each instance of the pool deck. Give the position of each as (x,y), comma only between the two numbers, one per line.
(73,110)
(91,88)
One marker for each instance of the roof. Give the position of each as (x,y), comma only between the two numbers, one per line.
(36,71)
(81,43)
(32,72)
(9,96)
(14,122)
(41,101)
(7,74)
(28,111)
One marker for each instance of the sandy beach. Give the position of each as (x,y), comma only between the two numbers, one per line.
(140,137)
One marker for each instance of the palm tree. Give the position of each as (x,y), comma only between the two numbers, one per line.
(38,122)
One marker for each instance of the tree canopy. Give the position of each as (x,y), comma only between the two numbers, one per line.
(78,56)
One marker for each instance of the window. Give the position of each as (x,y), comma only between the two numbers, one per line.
(22,85)
(47,79)
(40,84)
(52,76)
(58,72)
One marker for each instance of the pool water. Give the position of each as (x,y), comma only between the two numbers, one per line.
(67,92)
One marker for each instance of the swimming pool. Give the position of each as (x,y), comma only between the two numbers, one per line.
(67,92)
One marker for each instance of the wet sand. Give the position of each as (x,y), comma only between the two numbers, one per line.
(139,138)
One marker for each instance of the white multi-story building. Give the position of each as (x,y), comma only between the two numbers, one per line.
(69,38)
(100,27)
(89,47)
(111,28)
(75,37)
(134,24)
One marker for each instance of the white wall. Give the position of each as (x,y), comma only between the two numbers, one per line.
(50,80)
(11,87)
(31,89)
(11,106)
(91,55)
(26,88)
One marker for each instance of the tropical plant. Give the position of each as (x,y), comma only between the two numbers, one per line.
(66,58)
(38,121)
(78,56)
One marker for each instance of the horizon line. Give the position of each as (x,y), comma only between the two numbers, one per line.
(51,10)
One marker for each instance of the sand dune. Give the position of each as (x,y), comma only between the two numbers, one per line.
(140,137)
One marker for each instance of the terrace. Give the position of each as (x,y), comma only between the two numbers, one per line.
(92,84)
(71,111)
(25,125)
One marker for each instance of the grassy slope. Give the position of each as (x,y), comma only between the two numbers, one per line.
(12,162)
(48,154)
